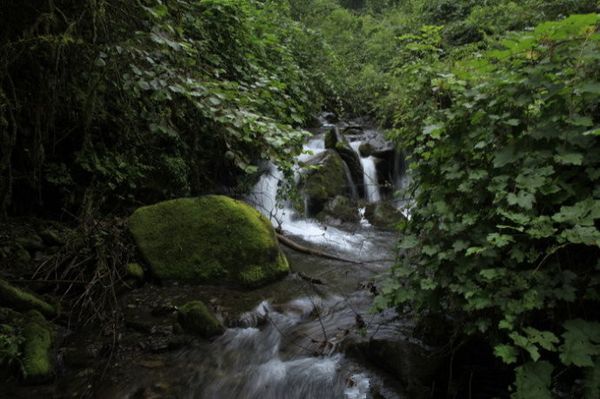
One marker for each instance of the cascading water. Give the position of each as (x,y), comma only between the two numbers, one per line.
(283,216)
(292,347)
(277,360)
(370,177)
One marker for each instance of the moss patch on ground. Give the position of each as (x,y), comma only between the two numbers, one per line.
(195,318)
(22,300)
(36,358)
(208,239)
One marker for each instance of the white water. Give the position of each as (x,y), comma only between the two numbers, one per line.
(257,369)
(370,177)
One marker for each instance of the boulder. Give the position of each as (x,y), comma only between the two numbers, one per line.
(210,239)
(341,208)
(23,300)
(383,215)
(323,182)
(416,366)
(196,319)
(337,142)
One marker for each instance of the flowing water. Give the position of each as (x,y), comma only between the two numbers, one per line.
(292,345)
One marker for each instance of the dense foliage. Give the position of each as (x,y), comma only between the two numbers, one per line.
(136,101)
(504,232)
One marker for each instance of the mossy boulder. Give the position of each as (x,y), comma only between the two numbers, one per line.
(195,318)
(37,363)
(210,239)
(325,179)
(22,300)
(384,215)
(341,208)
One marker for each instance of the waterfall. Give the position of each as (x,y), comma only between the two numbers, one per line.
(282,215)
(370,177)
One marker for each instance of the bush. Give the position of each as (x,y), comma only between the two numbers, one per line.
(504,233)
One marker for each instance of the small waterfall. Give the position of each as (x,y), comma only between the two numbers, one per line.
(370,177)
(350,182)
(264,197)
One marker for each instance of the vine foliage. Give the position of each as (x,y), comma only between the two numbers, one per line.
(504,234)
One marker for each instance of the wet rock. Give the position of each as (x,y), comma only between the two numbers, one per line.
(341,208)
(331,138)
(353,130)
(208,239)
(323,182)
(351,158)
(365,150)
(195,318)
(383,215)
(415,365)
(22,300)
(337,142)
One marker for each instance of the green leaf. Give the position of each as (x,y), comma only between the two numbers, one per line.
(569,159)
(507,353)
(581,343)
(533,381)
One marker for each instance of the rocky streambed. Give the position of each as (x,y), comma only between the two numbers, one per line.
(216,309)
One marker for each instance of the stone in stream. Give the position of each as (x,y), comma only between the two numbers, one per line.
(337,142)
(210,239)
(341,208)
(324,180)
(383,215)
(195,318)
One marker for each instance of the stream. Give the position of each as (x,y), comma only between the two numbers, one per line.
(297,338)
(293,344)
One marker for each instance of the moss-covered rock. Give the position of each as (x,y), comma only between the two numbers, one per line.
(341,208)
(324,182)
(208,239)
(37,363)
(195,318)
(135,271)
(384,215)
(22,300)
(331,138)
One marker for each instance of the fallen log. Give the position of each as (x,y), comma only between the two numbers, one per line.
(311,251)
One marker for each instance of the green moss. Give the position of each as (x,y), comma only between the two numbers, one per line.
(326,182)
(23,300)
(135,271)
(195,318)
(341,208)
(208,239)
(37,365)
